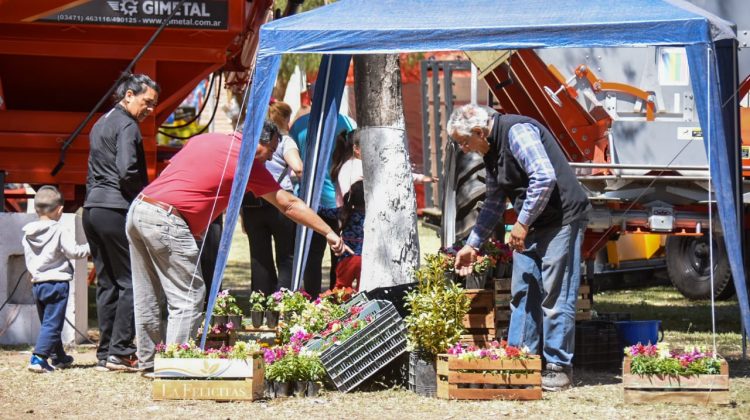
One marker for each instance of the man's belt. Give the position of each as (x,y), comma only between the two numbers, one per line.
(170,209)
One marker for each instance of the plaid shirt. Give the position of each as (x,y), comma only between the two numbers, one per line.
(526,146)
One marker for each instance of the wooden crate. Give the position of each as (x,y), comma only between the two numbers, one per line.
(461,379)
(208,379)
(503,296)
(694,389)
(479,322)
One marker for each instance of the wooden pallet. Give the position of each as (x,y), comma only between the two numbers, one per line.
(480,321)
(503,297)
(696,389)
(461,379)
(208,379)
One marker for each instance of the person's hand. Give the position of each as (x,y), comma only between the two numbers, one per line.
(464,259)
(337,244)
(518,237)
(429,179)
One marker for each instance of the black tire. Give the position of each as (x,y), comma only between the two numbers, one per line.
(688,267)
(464,175)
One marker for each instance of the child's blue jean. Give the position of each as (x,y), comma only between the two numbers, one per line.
(51,299)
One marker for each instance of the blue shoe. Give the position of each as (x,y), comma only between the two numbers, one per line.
(39,365)
(63,362)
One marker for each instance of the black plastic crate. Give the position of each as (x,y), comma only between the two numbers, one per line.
(597,346)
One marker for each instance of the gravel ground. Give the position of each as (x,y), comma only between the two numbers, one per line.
(81,392)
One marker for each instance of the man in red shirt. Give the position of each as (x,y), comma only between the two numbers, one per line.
(177,207)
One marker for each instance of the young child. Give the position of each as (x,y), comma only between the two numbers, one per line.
(352,221)
(47,248)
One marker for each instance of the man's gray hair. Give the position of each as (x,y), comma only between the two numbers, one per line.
(466,117)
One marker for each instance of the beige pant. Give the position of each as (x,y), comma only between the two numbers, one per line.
(164,263)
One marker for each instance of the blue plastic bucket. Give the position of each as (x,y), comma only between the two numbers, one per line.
(634,332)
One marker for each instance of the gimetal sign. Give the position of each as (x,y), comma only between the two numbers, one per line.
(206,14)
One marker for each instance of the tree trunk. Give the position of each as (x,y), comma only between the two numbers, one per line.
(391,246)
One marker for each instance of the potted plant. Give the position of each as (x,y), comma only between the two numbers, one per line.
(434,323)
(272,310)
(654,373)
(489,254)
(291,303)
(280,374)
(314,373)
(257,306)
(226,310)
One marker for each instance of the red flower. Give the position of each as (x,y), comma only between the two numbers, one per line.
(511,351)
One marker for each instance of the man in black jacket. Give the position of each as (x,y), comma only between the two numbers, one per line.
(525,165)
(116,174)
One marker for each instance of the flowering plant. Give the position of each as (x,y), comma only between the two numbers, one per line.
(257,301)
(226,304)
(240,350)
(489,254)
(496,350)
(291,362)
(292,301)
(218,329)
(658,359)
(273,301)
(299,366)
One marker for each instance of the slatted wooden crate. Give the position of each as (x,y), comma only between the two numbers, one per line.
(480,321)
(694,389)
(208,379)
(503,296)
(484,379)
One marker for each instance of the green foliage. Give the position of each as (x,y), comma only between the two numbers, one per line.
(226,304)
(257,301)
(437,308)
(645,365)
(241,350)
(296,367)
(293,301)
(281,370)
(272,304)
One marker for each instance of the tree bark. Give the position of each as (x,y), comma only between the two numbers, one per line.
(390,251)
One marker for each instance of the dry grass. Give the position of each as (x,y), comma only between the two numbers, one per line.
(83,393)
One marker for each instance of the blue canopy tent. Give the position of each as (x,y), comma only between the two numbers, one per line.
(394,26)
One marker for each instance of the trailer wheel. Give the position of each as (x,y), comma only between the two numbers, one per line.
(470,192)
(688,264)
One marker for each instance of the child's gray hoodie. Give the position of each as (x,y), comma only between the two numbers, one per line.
(48,247)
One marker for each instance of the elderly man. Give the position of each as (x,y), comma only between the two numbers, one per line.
(525,165)
(178,206)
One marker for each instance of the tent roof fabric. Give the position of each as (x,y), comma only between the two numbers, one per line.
(357,26)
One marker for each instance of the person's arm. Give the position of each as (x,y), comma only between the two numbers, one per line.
(70,248)
(296,209)
(293,159)
(126,159)
(492,210)
(527,148)
(418,178)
